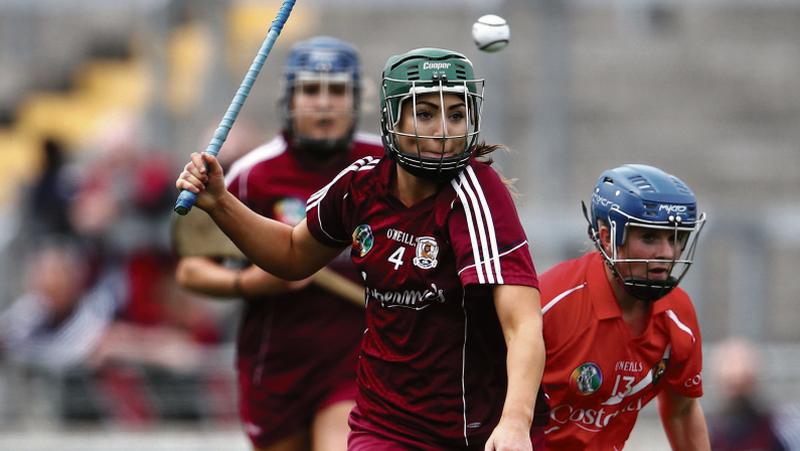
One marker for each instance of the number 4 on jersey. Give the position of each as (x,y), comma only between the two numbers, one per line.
(397,257)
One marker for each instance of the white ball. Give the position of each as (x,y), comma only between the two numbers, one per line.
(491,33)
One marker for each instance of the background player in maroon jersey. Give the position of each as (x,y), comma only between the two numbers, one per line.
(617,328)
(297,344)
(453,352)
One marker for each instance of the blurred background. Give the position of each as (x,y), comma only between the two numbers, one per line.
(101,102)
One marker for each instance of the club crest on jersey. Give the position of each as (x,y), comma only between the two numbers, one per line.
(586,379)
(363,239)
(427,251)
(290,210)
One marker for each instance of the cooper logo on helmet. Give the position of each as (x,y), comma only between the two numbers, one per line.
(435,66)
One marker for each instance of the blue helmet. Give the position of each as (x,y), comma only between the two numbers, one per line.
(637,195)
(325,59)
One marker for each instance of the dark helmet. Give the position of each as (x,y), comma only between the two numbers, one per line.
(422,71)
(323,59)
(636,195)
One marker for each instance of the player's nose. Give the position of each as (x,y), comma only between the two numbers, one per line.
(322,100)
(440,130)
(666,249)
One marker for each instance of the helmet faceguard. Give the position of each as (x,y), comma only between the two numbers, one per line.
(326,64)
(425,71)
(640,196)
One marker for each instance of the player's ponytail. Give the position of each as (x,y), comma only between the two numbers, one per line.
(482,149)
(482,152)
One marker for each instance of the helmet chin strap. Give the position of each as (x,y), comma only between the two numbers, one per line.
(438,176)
(322,148)
(643,290)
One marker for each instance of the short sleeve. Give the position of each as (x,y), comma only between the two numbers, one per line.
(485,232)
(327,209)
(684,371)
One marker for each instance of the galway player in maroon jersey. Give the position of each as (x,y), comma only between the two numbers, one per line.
(452,354)
(297,343)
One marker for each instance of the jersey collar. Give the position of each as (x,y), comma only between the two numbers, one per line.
(603,299)
(387,168)
(602,295)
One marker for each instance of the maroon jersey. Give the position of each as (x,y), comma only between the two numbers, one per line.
(288,340)
(432,360)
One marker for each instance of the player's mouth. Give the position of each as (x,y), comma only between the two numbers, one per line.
(435,154)
(658,273)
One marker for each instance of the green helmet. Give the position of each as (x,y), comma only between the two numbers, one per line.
(422,71)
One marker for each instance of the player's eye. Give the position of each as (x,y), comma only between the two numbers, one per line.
(680,238)
(457,116)
(424,115)
(310,89)
(649,237)
(337,89)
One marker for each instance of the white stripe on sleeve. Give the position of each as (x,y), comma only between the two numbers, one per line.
(484,242)
(680,324)
(363,164)
(261,153)
(561,296)
(489,222)
(475,248)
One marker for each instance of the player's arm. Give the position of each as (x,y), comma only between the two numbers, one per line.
(683,420)
(520,315)
(287,252)
(206,276)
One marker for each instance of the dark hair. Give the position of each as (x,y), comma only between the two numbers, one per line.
(482,151)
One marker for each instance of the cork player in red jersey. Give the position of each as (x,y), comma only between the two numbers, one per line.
(452,353)
(291,333)
(618,330)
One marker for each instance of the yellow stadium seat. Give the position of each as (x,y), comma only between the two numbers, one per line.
(249,22)
(188,56)
(19,161)
(119,84)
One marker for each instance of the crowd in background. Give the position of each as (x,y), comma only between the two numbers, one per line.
(98,308)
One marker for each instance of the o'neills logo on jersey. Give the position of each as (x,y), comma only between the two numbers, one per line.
(413,299)
(586,379)
(592,420)
(427,251)
(401,237)
(363,239)
(435,66)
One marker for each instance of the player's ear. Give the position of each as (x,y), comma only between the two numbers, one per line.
(605,236)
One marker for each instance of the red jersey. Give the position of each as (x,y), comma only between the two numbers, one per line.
(432,360)
(280,333)
(598,376)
